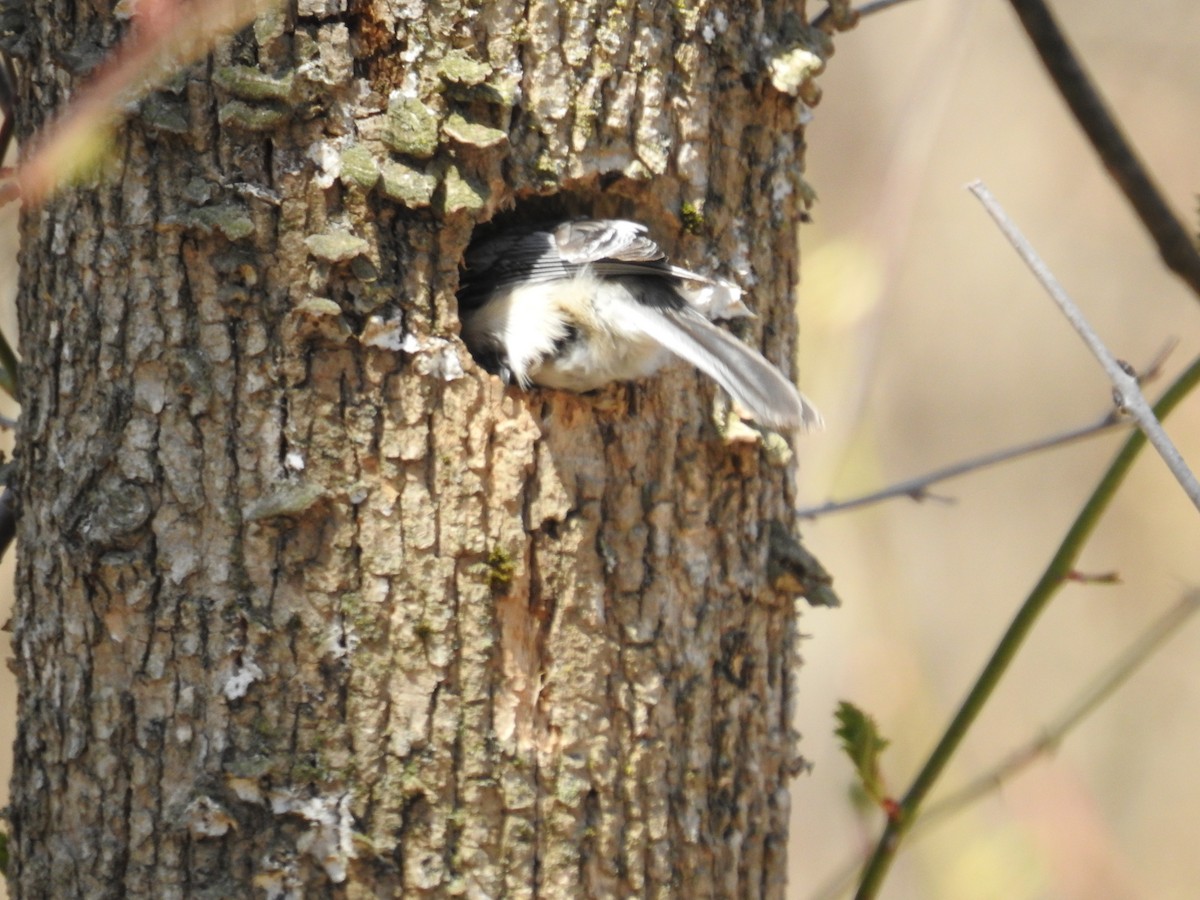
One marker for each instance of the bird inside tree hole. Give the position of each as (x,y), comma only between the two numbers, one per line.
(577,303)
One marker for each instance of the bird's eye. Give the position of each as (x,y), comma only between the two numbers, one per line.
(569,336)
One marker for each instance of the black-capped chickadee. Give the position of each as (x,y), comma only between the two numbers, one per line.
(578,304)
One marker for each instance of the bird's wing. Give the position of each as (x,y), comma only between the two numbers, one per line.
(543,253)
(754,384)
(586,241)
(608,248)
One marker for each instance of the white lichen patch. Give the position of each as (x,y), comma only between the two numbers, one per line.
(328,839)
(791,68)
(239,682)
(384,334)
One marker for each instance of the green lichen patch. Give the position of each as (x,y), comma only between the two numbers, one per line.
(255,85)
(458,68)
(546,168)
(286,500)
(359,167)
(692,218)
(777,450)
(317,308)
(500,92)
(458,128)
(406,185)
(245,117)
(411,128)
(230,220)
(501,568)
(336,246)
(462,194)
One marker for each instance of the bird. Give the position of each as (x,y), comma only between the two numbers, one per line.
(577,304)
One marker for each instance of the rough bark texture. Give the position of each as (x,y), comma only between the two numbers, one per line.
(308,603)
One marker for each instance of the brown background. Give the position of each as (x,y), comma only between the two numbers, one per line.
(925,341)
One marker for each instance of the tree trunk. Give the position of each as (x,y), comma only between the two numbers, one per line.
(309,604)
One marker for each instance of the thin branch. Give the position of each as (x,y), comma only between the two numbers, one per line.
(10,369)
(866,9)
(1130,394)
(8,103)
(918,488)
(1039,598)
(1115,674)
(1174,243)
(8,518)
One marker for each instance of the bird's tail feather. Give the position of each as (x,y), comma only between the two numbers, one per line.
(755,384)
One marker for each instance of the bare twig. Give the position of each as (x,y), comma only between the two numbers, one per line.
(1131,397)
(8,518)
(1172,238)
(866,9)
(1114,675)
(1152,371)
(10,369)
(8,103)
(918,488)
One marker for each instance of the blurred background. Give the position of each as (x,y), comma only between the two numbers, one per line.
(924,341)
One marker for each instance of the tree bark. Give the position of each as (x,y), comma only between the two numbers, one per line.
(309,604)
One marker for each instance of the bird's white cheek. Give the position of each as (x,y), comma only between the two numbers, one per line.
(523,323)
